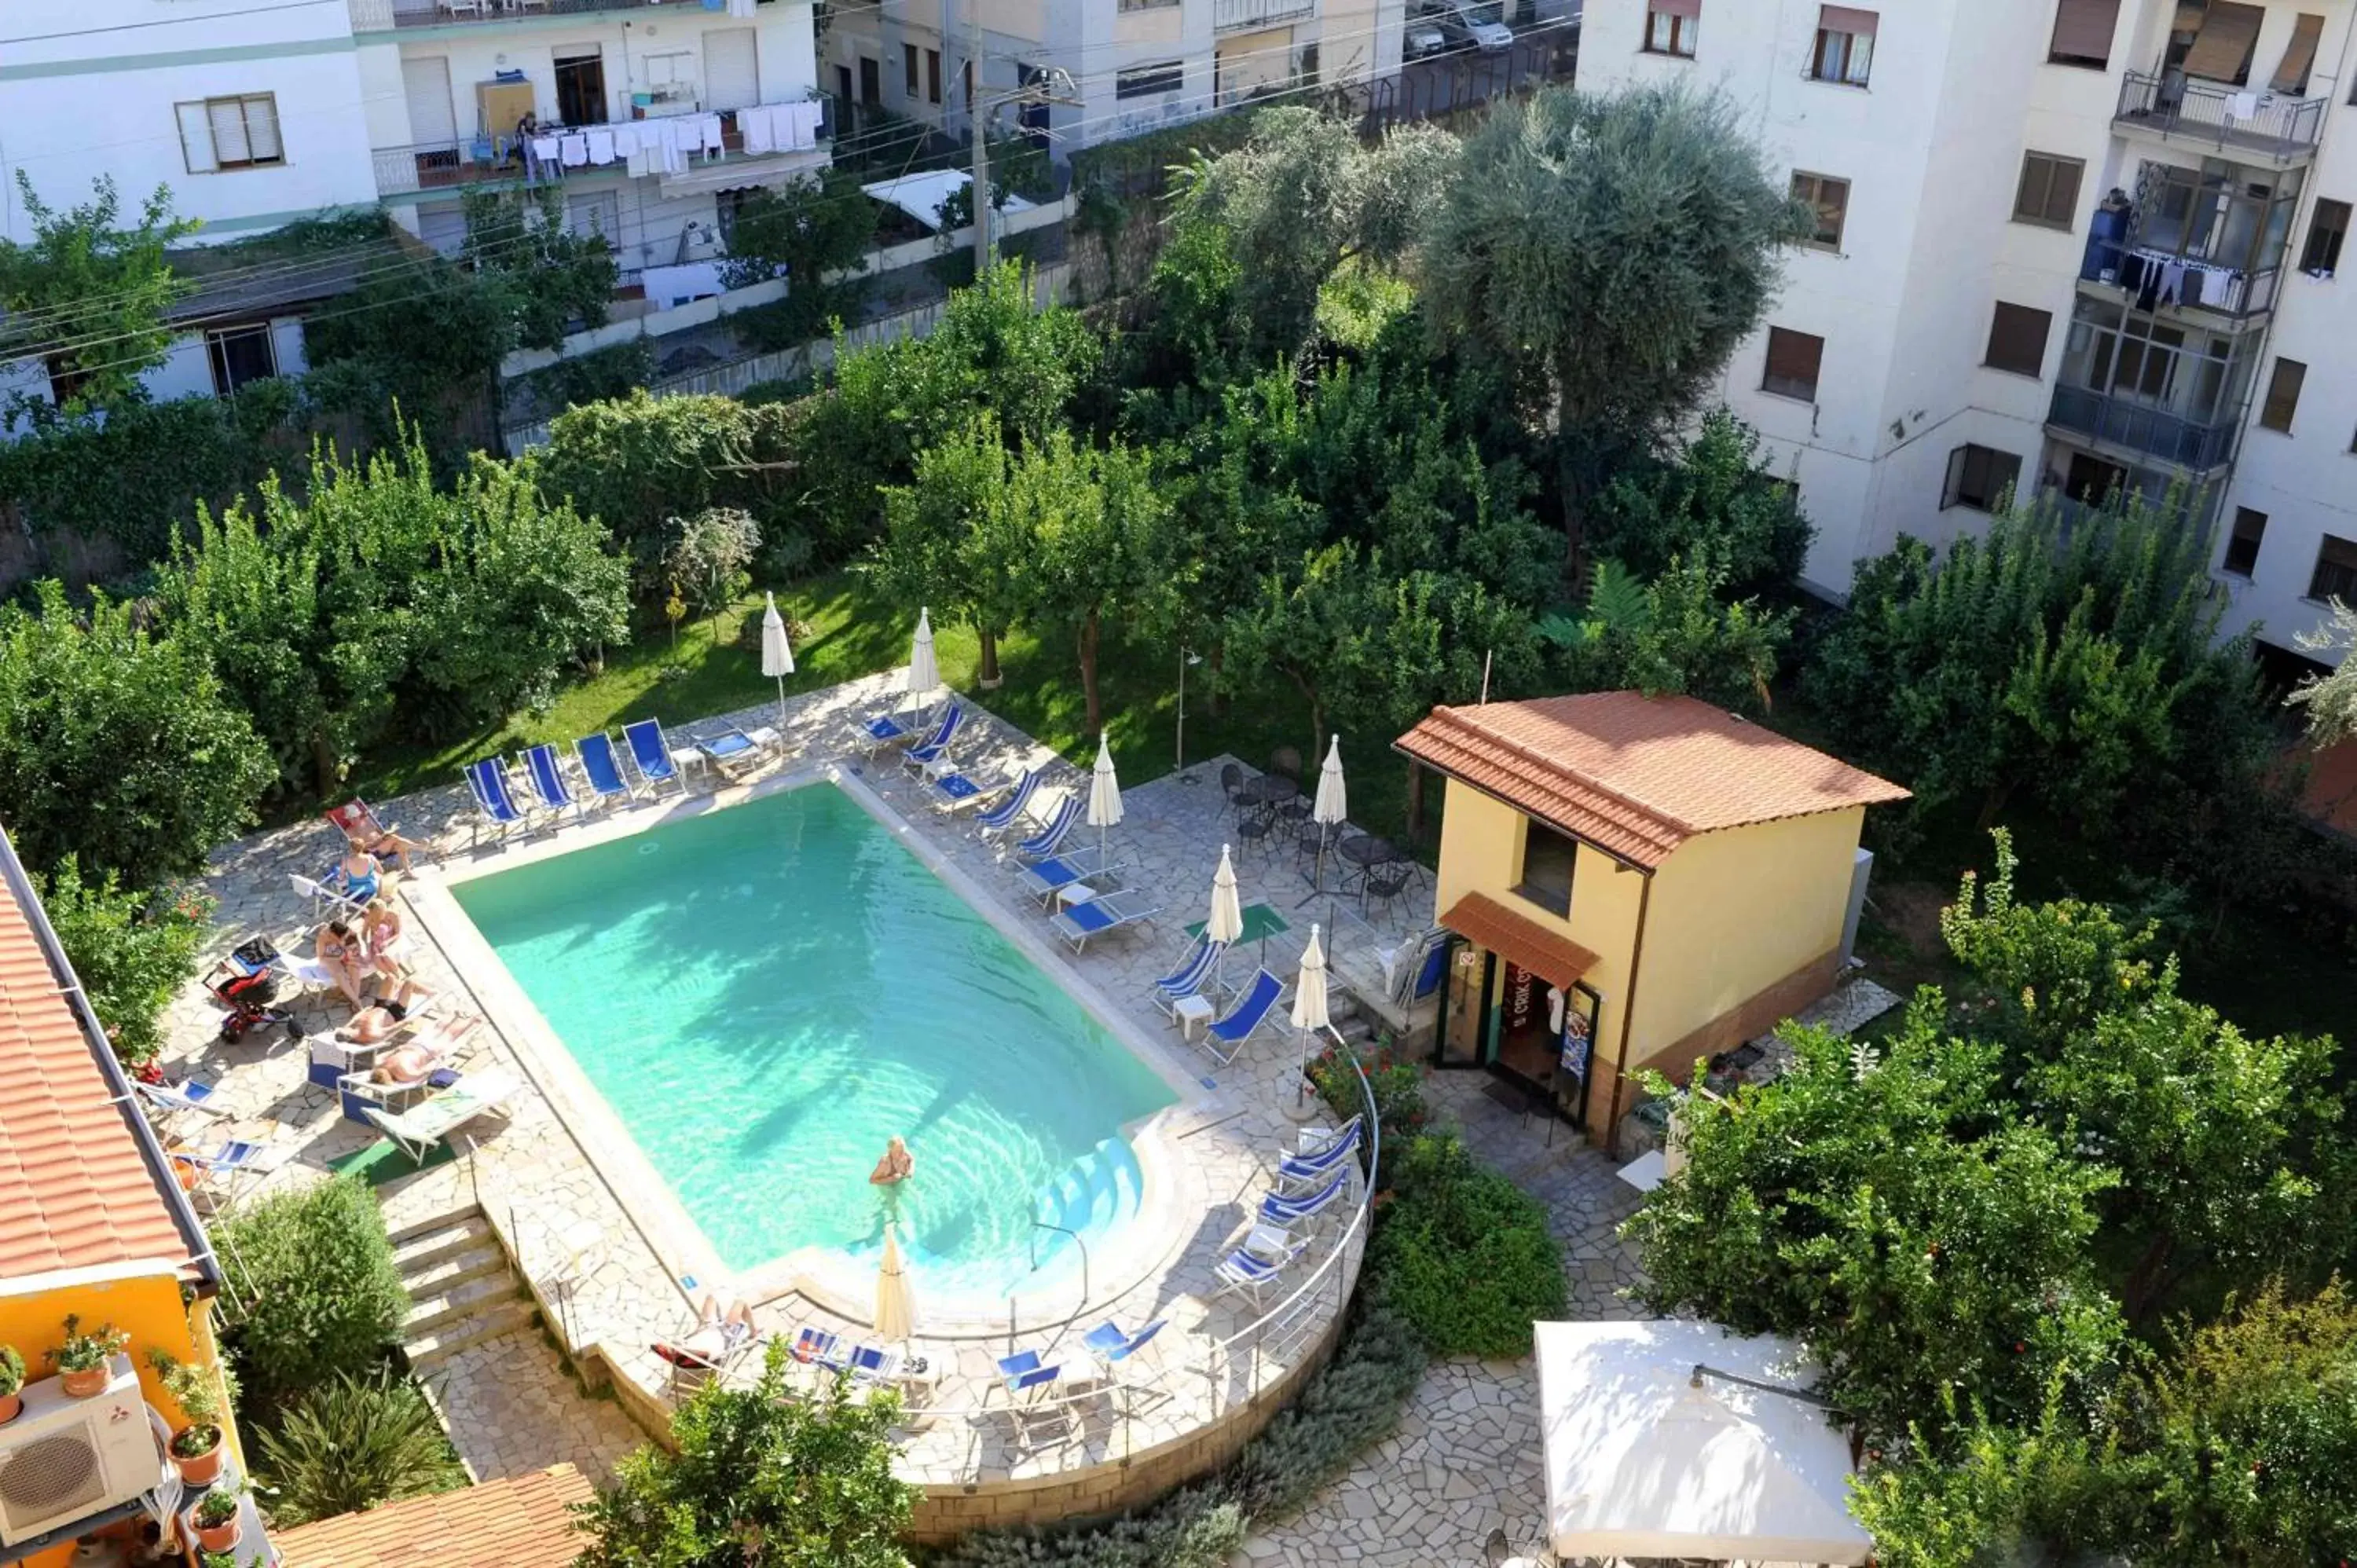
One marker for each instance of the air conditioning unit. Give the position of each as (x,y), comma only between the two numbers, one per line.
(62,1460)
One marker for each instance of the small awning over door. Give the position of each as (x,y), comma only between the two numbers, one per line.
(1553,957)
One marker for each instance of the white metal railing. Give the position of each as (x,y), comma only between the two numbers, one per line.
(1230,14)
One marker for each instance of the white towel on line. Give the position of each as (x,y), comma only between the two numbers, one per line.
(813,119)
(754,125)
(2243,105)
(545,149)
(601,147)
(707,133)
(576,151)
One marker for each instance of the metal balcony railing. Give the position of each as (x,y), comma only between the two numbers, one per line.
(1230,15)
(2141,429)
(2143,271)
(2228,118)
(478,160)
(385,15)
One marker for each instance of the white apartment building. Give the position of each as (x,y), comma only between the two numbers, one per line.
(650,116)
(1135,65)
(2066,245)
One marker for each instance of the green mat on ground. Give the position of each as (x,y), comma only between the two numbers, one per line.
(385,1161)
(1261,922)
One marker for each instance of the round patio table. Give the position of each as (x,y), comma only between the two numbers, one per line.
(1365,850)
(1269,789)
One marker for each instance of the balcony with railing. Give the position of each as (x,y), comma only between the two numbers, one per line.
(432,167)
(2184,110)
(2130,426)
(1235,16)
(390,16)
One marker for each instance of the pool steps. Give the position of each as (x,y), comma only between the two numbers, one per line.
(1094,1191)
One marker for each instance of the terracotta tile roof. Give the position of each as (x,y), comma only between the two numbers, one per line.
(522,1521)
(1636,775)
(1550,955)
(75,1189)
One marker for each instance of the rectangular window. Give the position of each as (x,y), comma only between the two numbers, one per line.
(1827,197)
(229,132)
(1146,80)
(2016,339)
(909,71)
(2048,191)
(2283,394)
(1979,477)
(1548,860)
(1845,45)
(1793,361)
(2336,571)
(1671,26)
(2327,227)
(241,355)
(932,76)
(2243,544)
(2221,49)
(2299,56)
(2082,33)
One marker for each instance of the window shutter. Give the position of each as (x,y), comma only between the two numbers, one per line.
(197,139)
(2018,338)
(2283,394)
(262,128)
(229,142)
(2222,50)
(2082,31)
(1792,360)
(1690,9)
(2299,55)
(1846,20)
(1953,491)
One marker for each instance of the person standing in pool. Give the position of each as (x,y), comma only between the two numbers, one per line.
(897,1166)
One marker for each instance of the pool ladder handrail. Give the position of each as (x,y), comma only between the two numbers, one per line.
(1039,1225)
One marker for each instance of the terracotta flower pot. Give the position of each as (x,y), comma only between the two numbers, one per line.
(218,1537)
(204,1469)
(9,1405)
(83,1384)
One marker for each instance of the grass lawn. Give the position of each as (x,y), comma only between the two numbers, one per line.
(847,629)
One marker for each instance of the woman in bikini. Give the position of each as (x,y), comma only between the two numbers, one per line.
(897,1166)
(359,875)
(387,938)
(344,956)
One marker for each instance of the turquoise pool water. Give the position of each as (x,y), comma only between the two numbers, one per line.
(764,994)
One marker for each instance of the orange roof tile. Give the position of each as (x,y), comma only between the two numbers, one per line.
(522,1521)
(75,1189)
(1518,939)
(1636,775)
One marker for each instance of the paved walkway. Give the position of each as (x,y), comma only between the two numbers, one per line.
(511,1409)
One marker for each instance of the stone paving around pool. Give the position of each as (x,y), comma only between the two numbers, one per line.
(570,1237)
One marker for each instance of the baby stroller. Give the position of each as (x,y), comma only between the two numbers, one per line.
(246,983)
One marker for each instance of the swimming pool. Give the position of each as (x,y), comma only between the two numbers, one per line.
(764,994)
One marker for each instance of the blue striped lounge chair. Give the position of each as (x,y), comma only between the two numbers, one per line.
(817,1348)
(936,745)
(1100,916)
(496,807)
(733,749)
(1189,979)
(1029,1386)
(1050,839)
(1253,1006)
(954,793)
(651,753)
(1280,1210)
(602,767)
(880,730)
(548,782)
(1108,1341)
(230,1172)
(992,819)
(1297,1172)
(1247,1271)
(1051,877)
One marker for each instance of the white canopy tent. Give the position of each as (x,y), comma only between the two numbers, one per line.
(1642,1463)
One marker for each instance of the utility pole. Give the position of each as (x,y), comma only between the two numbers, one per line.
(1048,86)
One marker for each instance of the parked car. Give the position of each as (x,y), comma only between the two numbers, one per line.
(1424,36)
(1466,24)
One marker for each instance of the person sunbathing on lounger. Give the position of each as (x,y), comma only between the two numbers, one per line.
(897,1166)
(718,1332)
(377,1020)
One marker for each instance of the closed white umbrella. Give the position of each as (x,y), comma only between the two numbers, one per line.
(924,670)
(1104,795)
(1309,1005)
(777,657)
(1331,808)
(1226,924)
(896,1310)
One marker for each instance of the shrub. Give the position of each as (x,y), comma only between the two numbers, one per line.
(1397,1081)
(132,950)
(354,1443)
(117,744)
(1463,1253)
(1354,1400)
(313,1293)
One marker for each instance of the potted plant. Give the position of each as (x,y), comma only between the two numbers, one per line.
(220,1560)
(12,1378)
(216,1520)
(82,1360)
(195,1448)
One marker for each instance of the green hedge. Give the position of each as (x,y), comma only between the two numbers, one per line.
(313,1293)
(1463,1253)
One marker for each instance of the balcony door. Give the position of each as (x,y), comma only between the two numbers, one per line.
(433,119)
(732,72)
(581,85)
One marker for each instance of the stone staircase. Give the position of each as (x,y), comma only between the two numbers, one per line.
(461,1290)
(1349,1018)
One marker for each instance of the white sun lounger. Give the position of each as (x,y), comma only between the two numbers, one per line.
(423,1125)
